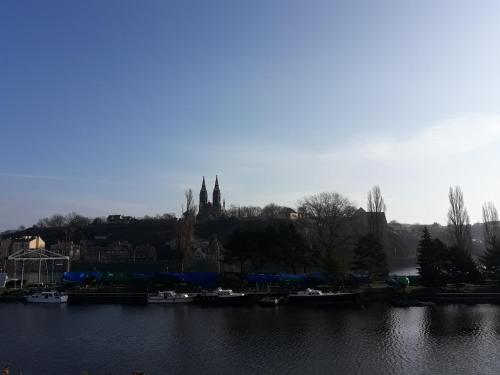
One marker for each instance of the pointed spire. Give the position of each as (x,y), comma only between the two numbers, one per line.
(203,187)
(216,198)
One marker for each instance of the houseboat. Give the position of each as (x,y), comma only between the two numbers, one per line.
(168,297)
(314,297)
(224,297)
(47,297)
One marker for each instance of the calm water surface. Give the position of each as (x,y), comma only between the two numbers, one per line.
(194,340)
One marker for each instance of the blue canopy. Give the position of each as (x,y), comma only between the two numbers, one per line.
(203,279)
(261,278)
(81,277)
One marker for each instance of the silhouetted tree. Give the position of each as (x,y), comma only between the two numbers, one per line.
(369,256)
(490,223)
(294,248)
(491,260)
(461,266)
(76,220)
(439,264)
(244,211)
(431,260)
(458,220)
(491,256)
(375,200)
(274,211)
(99,220)
(375,207)
(271,211)
(56,220)
(185,228)
(59,221)
(326,215)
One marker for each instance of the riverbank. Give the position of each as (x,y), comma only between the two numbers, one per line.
(376,293)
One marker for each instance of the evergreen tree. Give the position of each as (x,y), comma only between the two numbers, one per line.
(461,266)
(431,260)
(438,264)
(491,260)
(369,256)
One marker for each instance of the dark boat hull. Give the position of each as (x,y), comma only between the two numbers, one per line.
(225,301)
(108,298)
(347,299)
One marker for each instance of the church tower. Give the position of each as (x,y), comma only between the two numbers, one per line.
(216,199)
(202,212)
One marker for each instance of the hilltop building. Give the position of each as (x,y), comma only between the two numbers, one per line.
(207,210)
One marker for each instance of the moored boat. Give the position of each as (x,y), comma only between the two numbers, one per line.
(169,296)
(224,297)
(314,297)
(47,297)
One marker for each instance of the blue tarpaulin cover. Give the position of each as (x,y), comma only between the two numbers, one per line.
(203,279)
(81,277)
(261,278)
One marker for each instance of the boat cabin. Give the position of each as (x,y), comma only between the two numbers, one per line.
(310,292)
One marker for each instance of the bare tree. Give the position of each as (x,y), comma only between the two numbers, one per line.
(458,220)
(56,220)
(376,206)
(490,223)
(99,220)
(244,211)
(186,227)
(76,220)
(375,200)
(327,213)
(190,206)
(232,211)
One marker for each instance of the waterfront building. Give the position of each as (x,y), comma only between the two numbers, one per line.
(206,255)
(11,245)
(116,252)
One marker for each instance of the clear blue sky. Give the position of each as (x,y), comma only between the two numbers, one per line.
(119,106)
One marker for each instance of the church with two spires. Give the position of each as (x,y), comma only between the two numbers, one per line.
(213,210)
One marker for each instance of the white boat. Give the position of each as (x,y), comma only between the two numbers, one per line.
(47,297)
(224,297)
(317,297)
(312,292)
(169,296)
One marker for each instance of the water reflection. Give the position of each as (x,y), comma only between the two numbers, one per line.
(190,339)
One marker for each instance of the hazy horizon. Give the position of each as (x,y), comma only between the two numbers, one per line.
(119,106)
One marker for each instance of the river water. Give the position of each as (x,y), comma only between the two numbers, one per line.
(189,339)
